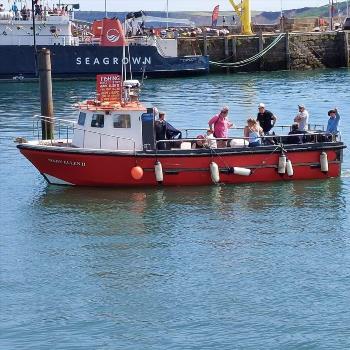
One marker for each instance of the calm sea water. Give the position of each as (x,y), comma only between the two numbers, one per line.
(260,266)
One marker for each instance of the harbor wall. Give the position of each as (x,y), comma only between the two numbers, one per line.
(295,51)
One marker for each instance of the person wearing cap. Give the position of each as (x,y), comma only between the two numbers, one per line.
(333,121)
(302,118)
(220,124)
(266,119)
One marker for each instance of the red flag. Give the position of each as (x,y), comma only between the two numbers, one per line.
(215,16)
(112,33)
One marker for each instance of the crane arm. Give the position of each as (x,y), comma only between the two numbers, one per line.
(244,13)
(237,8)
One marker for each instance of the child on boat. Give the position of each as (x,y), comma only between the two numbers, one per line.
(253,132)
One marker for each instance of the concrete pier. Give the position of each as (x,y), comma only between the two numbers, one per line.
(296,51)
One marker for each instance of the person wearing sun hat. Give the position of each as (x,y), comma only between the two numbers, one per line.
(302,118)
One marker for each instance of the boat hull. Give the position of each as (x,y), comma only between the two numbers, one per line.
(81,167)
(18,62)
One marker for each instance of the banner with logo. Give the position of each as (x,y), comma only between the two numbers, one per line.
(215,16)
(109,88)
(112,33)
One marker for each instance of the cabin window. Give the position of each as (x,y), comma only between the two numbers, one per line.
(122,121)
(81,119)
(98,121)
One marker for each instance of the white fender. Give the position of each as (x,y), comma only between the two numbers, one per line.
(241,171)
(289,168)
(158,171)
(324,162)
(282,161)
(214,172)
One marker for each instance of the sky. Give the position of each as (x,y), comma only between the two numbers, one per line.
(193,5)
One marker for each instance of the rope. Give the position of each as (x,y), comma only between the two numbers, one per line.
(251,59)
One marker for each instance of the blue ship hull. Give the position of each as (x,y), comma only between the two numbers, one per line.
(89,60)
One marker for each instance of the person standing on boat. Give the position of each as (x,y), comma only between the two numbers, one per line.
(302,118)
(164,131)
(333,122)
(253,132)
(14,9)
(160,130)
(266,119)
(220,124)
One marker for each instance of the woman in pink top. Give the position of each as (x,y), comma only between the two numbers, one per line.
(221,126)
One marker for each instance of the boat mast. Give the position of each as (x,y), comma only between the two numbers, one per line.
(105,8)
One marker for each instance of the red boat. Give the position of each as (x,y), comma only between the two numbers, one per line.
(114,144)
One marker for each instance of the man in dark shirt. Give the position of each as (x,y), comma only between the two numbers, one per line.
(295,135)
(266,119)
(165,131)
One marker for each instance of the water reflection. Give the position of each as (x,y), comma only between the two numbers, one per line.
(152,209)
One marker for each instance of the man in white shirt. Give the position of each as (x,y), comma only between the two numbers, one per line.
(302,118)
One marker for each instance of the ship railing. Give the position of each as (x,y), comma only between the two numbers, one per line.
(27,15)
(65,130)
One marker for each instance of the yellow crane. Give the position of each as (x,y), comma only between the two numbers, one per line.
(244,13)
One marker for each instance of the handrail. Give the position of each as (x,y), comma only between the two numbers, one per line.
(75,127)
(310,128)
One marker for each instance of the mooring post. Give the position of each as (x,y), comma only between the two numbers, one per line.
(47,121)
(261,47)
(205,43)
(347,49)
(234,49)
(226,51)
(287,51)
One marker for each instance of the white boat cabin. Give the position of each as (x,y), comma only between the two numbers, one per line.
(122,129)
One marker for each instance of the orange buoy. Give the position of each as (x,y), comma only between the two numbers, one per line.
(137,173)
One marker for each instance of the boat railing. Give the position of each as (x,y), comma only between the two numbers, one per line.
(235,142)
(65,130)
(311,128)
(315,134)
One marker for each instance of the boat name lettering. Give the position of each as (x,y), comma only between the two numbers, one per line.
(93,61)
(67,162)
(188,59)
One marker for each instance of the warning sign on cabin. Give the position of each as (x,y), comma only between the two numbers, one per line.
(109,88)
